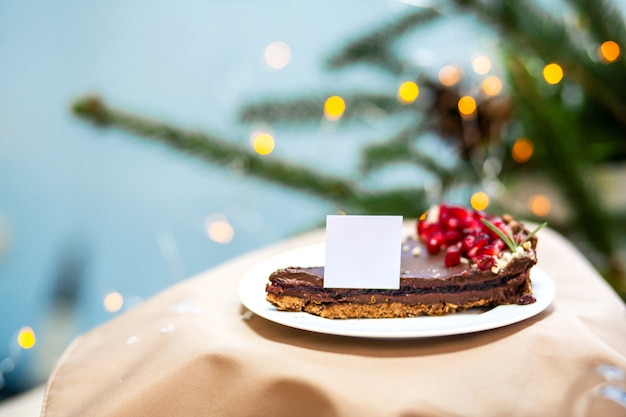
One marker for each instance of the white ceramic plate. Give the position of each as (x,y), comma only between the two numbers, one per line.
(252,295)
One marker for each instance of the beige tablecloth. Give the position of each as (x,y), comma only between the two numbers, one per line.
(193,350)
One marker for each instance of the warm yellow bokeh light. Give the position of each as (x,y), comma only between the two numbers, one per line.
(492,85)
(540,205)
(113,302)
(334,107)
(608,52)
(479,200)
(263,143)
(220,231)
(553,73)
(522,150)
(481,64)
(408,92)
(449,75)
(467,107)
(277,55)
(26,338)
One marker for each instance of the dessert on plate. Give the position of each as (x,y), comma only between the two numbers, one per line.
(457,259)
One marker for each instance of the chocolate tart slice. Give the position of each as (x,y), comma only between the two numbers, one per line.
(458,259)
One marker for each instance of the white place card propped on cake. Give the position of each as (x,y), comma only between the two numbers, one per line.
(363,252)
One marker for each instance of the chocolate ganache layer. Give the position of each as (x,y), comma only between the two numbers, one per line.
(429,284)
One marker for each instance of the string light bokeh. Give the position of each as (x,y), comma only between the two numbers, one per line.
(218,229)
(263,143)
(113,302)
(277,55)
(334,107)
(481,64)
(408,92)
(467,107)
(449,75)
(553,73)
(479,200)
(26,338)
(492,85)
(522,150)
(540,205)
(609,51)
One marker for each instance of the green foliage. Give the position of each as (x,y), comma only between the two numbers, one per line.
(375,47)
(299,110)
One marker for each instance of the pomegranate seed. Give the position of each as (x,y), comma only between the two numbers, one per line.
(497,222)
(460,213)
(470,222)
(468,243)
(434,242)
(485,262)
(482,240)
(427,229)
(490,250)
(499,244)
(451,237)
(452,223)
(477,215)
(444,215)
(422,227)
(472,231)
(461,233)
(472,253)
(453,256)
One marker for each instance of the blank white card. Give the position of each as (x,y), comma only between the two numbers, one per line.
(363,252)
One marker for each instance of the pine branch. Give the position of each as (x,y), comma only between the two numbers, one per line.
(619,217)
(408,202)
(311,109)
(399,148)
(392,150)
(376,46)
(290,110)
(605,21)
(554,132)
(525,26)
(534,33)
(213,149)
(602,21)
(602,134)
